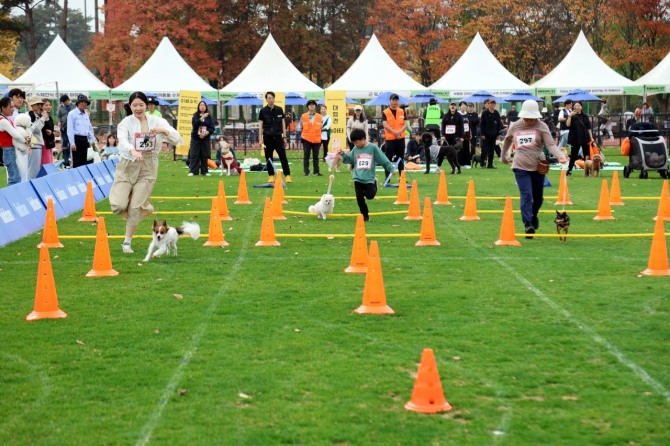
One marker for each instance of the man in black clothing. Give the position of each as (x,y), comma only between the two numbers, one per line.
(512,115)
(452,133)
(473,121)
(273,135)
(491,125)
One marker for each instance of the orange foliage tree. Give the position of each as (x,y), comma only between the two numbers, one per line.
(136,29)
(419,36)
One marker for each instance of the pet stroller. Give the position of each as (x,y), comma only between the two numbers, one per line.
(647,151)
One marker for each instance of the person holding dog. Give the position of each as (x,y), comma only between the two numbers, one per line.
(312,122)
(364,158)
(530,136)
(140,138)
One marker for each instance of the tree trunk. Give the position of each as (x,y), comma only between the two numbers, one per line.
(95,11)
(64,21)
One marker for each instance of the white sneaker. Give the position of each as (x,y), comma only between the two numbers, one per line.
(208,174)
(437,169)
(467,166)
(127,249)
(190,174)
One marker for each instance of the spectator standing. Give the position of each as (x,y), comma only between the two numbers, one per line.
(18,97)
(562,126)
(491,125)
(452,133)
(80,131)
(604,123)
(512,115)
(325,129)
(312,124)
(432,118)
(580,135)
(273,136)
(49,134)
(393,121)
(647,113)
(200,150)
(151,107)
(61,117)
(464,156)
(356,121)
(473,121)
(38,118)
(7,132)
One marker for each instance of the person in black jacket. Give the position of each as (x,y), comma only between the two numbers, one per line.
(579,126)
(273,136)
(473,121)
(199,152)
(491,125)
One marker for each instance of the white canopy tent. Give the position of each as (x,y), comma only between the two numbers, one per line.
(59,71)
(373,73)
(270,70)
(4,80)
(477,69)
(657,80)
(582,69)
(165,73)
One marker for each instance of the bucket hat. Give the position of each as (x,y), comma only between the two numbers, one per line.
(530,110)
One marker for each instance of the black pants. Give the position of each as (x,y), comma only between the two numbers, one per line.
(276,143)
(325,143)
(395,148)
(364,191)
(464,155)
(488,149)
(79,156)
(198,155)
(313,149)
(574,153)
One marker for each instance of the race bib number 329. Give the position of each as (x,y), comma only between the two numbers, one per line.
(145,141)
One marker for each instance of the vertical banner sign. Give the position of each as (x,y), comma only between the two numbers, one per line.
(188,104)
(336,102)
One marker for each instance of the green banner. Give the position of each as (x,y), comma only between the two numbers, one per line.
(442,94)
(214,95)
(546,92)
(653,89)
(99,95)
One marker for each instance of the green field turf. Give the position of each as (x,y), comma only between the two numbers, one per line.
(549,343)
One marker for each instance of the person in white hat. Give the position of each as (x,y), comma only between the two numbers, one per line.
(529,136)
(38,118)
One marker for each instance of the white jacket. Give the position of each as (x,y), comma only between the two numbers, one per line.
(130,125)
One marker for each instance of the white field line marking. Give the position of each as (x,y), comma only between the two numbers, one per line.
(150,426)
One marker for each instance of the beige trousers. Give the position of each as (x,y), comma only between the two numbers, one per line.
(133,184)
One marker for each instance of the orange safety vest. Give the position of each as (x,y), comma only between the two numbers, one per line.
(396,122)
(311,131)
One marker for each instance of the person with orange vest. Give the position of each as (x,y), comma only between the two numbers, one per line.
(311,137)
(394,123)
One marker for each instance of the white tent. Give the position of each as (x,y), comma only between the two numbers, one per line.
(165,73)
(59,71)
(658,79)
(373,73)
(270,70)
(4,80)
(582,69)
(477,69)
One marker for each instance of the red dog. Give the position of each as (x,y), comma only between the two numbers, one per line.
(228,160)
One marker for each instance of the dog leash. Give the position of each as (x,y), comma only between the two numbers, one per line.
(330,183)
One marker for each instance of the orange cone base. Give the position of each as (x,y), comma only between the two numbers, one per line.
(56,314)
(507,243)
(243,202)
(51,245)
(93,218)
(427,243)
(655,272)
(655,218)
(563,203)
(401,202)
(418,217)
(475,218)
(219,243)
(609,217)
(377,309)
(446,407)
(356,269)
(271,243)
(225,218)
(279,217)
(107,273)
(616,203)
(443,203)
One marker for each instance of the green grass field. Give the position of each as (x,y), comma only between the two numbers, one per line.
(545,344)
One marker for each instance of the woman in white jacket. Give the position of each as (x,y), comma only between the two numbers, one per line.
(140,139)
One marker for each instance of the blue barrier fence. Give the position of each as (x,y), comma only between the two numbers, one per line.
(23,206)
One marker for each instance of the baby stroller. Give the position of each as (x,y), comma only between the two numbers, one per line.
(647,151)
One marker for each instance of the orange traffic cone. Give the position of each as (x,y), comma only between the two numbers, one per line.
(215,236)
(470,204)
(563,194)
(428,396)
(374,295)
(222,204)
(46,298)
(102,260)
(268,227)
(89,204)
(359,253)
(615,192)
(242,193)
(604,209)
(50,234)
(442,196)
(279,190)
(658,257)
(507,231)
(402,190)
(664,204)
(414,209)
(427,237)
(276,207)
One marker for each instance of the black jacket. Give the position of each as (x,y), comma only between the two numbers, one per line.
(197,123)
(491,124)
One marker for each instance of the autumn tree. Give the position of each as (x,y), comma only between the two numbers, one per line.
(136,29)
(28,31)
(419,36)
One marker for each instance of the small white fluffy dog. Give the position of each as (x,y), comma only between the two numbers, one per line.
(164,238)
(324,206)
(23,124)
